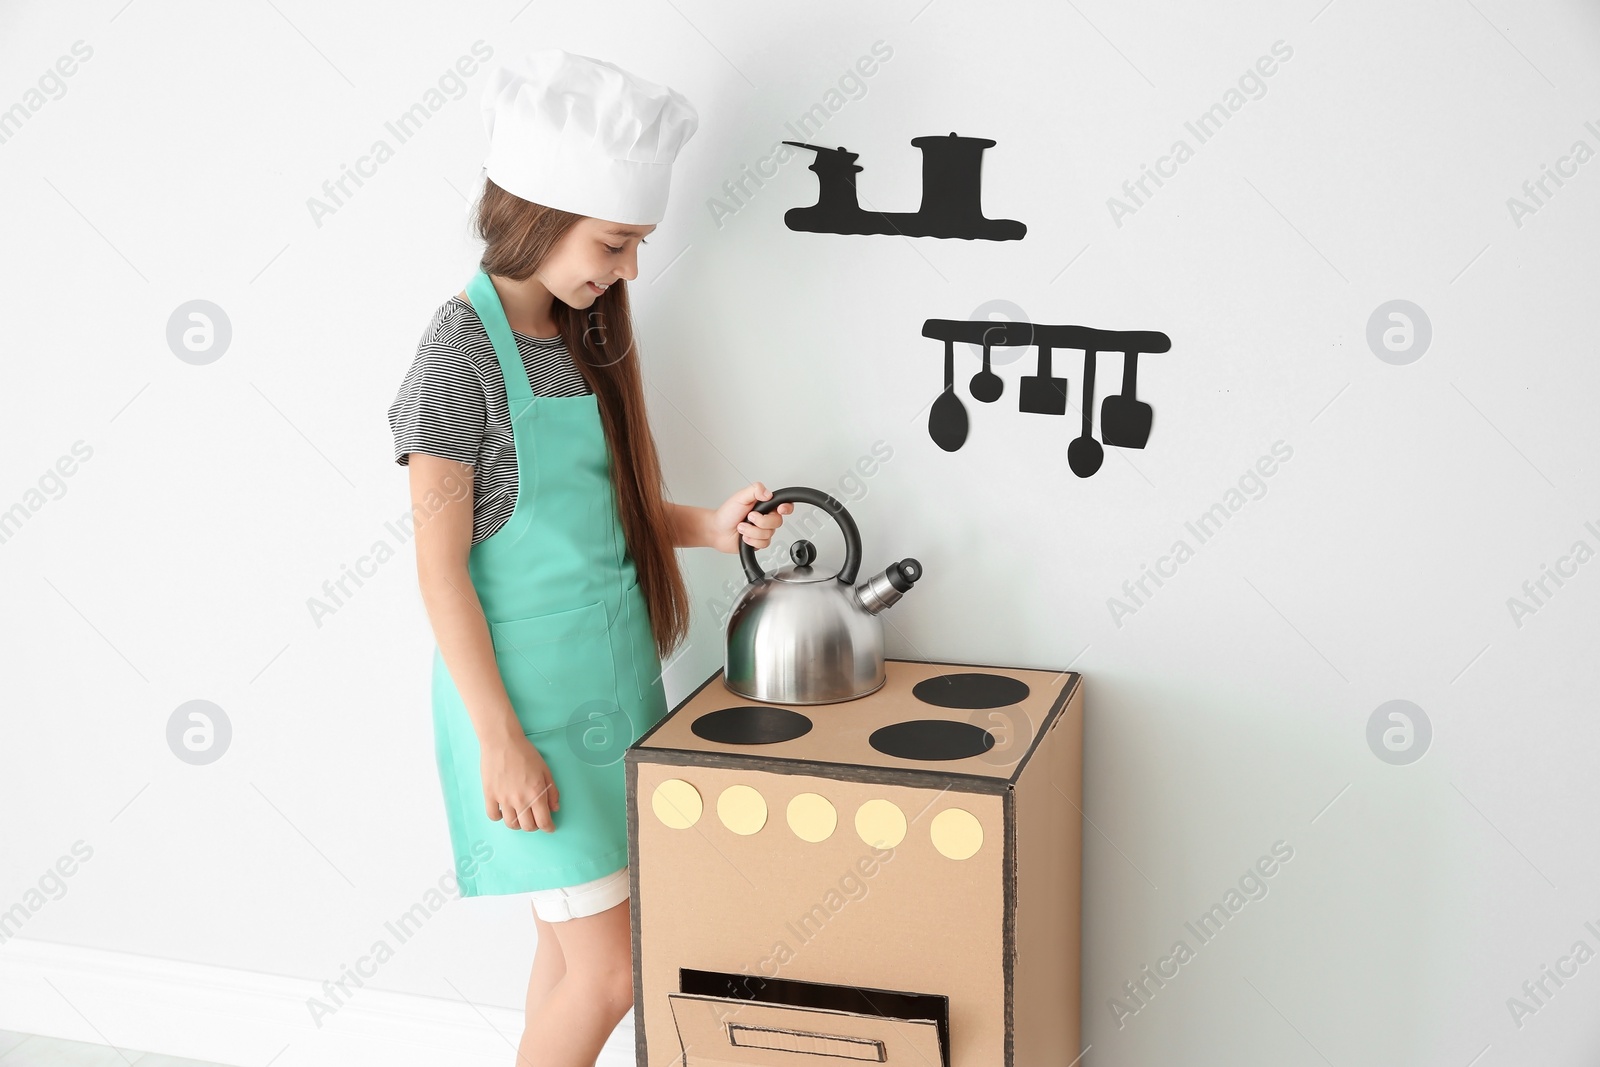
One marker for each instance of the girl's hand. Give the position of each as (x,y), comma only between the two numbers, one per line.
(734,520)
(517,786)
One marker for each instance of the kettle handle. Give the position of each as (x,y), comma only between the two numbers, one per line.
(799,494)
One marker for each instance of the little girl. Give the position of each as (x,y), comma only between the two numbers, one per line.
(553,588)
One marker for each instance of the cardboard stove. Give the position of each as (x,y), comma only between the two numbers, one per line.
(892,879)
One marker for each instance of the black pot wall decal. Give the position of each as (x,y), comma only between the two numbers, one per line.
(1125,420)
(952,196)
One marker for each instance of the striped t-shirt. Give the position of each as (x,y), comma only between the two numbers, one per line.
(453,404)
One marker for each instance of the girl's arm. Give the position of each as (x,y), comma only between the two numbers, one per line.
(690,525)
(441,502)
(517,787)
(724,527)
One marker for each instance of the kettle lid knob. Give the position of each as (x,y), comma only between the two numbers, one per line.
(802,552)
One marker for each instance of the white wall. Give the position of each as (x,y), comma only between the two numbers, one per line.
(1228,712)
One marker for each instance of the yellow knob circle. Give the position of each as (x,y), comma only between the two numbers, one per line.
(676,803)
(881,823)
(742,809)
(956,833)
(812,817)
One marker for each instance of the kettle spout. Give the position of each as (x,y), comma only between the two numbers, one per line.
(881,591)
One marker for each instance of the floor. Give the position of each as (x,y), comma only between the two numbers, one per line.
(30,1050)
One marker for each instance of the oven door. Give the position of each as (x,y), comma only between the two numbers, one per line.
(728,1032)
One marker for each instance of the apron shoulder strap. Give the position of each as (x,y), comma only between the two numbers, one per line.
(486,302)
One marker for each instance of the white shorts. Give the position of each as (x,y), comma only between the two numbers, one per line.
(576,901)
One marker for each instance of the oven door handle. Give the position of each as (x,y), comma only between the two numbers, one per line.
(778,1039)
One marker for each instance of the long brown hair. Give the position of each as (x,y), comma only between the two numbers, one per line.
(518,235)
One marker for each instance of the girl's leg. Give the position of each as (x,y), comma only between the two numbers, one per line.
(548,966)
(586,1004)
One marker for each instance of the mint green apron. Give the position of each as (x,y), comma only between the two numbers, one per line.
(572,641)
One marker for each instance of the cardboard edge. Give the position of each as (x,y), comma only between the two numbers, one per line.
(1075,676)
(1051,717)
(1065,729)
(843,772)
(1008,940)
(639,743)
(631,791)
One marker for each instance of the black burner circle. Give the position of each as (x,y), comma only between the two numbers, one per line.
(932,739)
(750,724)
(970,691)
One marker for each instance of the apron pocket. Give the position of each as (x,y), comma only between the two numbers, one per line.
(555,664)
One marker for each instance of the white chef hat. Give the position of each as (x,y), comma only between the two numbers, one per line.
(584,135)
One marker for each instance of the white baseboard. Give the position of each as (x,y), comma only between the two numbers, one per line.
(247,1019)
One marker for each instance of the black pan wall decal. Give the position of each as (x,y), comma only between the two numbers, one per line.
(952,196)
(1125,420)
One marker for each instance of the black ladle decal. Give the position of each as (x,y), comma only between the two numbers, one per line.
(947,422)
(986,385)
(1124,419)
(1084,454)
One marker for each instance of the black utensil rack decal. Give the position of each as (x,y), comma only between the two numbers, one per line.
(1125,420)
(952,197)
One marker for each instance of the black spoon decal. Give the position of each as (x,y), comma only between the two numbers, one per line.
(947,422)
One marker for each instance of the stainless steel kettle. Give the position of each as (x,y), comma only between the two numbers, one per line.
(799,636)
